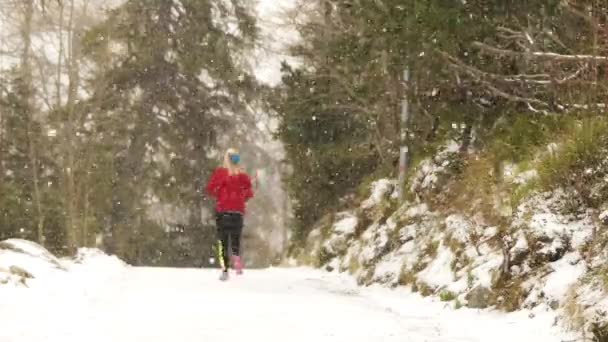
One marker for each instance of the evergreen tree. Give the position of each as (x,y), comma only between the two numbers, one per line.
(347,93)
(179,73)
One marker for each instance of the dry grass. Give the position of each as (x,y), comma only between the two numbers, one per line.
(573,311)
(511,293)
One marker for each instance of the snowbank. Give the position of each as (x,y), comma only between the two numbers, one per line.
(21,260)
(23,263)
(97,259)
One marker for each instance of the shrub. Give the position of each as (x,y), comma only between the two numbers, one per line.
(518,136)
(447,296)
(580,161)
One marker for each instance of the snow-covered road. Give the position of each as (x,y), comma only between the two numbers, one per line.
(159,304)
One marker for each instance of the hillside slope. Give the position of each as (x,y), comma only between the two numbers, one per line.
(521,239)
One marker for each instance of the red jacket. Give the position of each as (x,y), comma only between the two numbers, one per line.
(230,191)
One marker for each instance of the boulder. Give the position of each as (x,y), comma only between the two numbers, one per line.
(479,297)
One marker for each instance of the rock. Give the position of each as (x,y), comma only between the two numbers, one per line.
(604,217)
(554,304)
(552,251)
(338,244)
(479,297)
(520,251)
(16,270)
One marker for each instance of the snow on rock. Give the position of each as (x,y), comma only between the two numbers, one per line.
(350,259)
(458,227)
(566,272)
(484,267)
(21,260)
(408,233)
(462,254)
(314,242)
(544,216)
(520,250)
(30,248)
(447,250)
(346,224)
(376,243)
(341,232)
(389,268)
(381,189)
(431,170)
(490,232)
(587,304)
(333,264)
(604,217)
(417,210)
(438,274)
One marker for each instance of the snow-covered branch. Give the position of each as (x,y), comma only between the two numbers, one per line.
(538,54)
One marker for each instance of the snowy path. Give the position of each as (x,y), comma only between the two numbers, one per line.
(148,304)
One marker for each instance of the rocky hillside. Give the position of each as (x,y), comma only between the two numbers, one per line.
(476,235)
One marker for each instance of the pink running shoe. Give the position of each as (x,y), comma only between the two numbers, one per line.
(237,264)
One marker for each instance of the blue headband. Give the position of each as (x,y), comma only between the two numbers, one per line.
(235,158)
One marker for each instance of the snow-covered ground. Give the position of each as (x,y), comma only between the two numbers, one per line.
(98,298)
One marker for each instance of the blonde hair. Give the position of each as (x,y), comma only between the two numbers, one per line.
(233,169)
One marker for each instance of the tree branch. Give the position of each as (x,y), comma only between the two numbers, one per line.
(537,54)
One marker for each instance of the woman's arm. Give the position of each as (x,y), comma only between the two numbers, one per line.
(247,189)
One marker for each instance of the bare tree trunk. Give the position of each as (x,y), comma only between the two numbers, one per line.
(59,57)
(85,227)
(73,77)
(69,58)
(2,139)
(26,73)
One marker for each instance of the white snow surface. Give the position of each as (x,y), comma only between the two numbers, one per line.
(102,300)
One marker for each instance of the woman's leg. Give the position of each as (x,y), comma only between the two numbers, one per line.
(235,241)
(222,242)
(222,248)
(235,244)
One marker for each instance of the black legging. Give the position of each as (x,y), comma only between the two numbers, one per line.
(229,229)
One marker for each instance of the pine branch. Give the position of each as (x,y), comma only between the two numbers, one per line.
(537,54)
(482,76)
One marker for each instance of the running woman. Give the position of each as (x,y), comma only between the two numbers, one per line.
(231,188)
